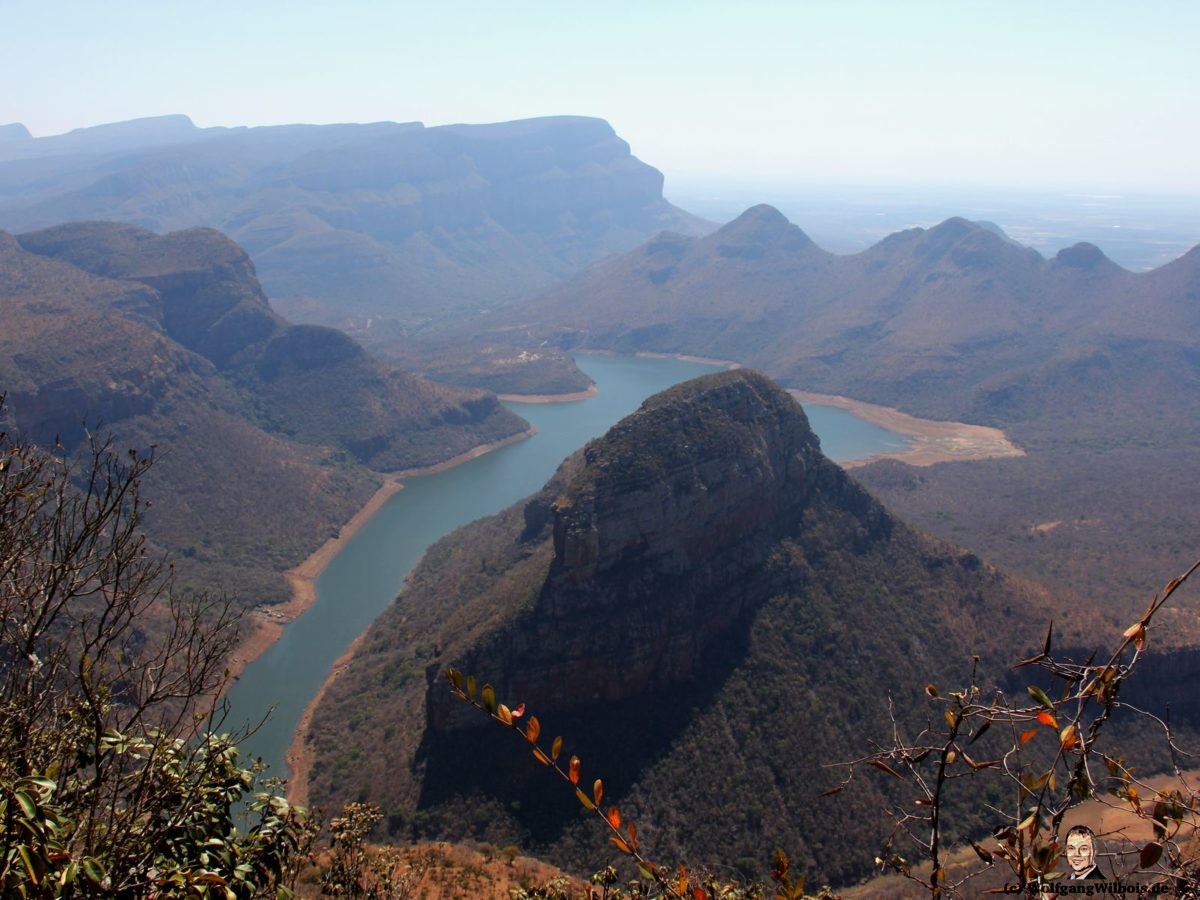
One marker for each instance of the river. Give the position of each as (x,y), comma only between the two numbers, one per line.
(366,575)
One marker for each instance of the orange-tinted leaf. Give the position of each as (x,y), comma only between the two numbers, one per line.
(1150,854)
(573,770)
(1027,736)
(542,757)
(1067,737)
(620,844)
(1137,634)
(833,790)
(931,690)
(504,714)
(884,767)
(614,817)
(632,835)
(584,799)
(532,729)
(681,883)
(597,791)
(699,893)
(556,748)
(1047,719)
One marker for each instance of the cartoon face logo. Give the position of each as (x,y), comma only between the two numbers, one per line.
(1081,849)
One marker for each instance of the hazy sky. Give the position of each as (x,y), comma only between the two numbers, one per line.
(1094,95)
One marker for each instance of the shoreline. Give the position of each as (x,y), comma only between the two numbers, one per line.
(550,398)
(930,441)
(268,622)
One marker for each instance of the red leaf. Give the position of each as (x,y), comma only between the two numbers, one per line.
(519,711)
(1027,736)
(1047,719)
(614,817)
(573,770)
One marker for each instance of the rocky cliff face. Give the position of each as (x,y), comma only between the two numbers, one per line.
(662,541)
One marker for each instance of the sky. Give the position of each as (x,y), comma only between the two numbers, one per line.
(1095,95)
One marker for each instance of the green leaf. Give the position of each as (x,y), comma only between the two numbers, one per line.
(28,807)
(1040,696)
(488,696)
(471,686)
(92,870)
(27,860)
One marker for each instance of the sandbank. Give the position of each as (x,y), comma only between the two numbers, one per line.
(929,441)
(550,398)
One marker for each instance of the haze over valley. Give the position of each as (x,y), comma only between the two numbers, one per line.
(450,343)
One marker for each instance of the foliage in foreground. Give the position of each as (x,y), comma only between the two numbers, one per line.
(112,780)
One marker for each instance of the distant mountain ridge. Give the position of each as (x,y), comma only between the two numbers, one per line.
(169,341)
(378,226)
(708,610)
(941,321)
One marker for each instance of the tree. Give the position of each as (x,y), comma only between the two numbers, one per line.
(1040,749)
(113,781)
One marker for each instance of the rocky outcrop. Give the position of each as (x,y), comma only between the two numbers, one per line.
(662,542)
(705,607)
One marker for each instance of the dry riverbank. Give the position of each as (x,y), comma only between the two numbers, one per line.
(929,441)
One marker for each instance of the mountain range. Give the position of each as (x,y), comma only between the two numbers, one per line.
(268,434)
(1092,369)
(375,228)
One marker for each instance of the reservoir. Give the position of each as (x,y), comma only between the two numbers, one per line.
(366,575)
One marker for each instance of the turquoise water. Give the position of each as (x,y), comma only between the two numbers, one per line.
(366,575)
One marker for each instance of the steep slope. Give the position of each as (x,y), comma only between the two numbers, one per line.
(169,342)
(706,607)
(308,383)
(371,226)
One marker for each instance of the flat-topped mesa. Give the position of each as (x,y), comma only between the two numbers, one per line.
(662,540)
